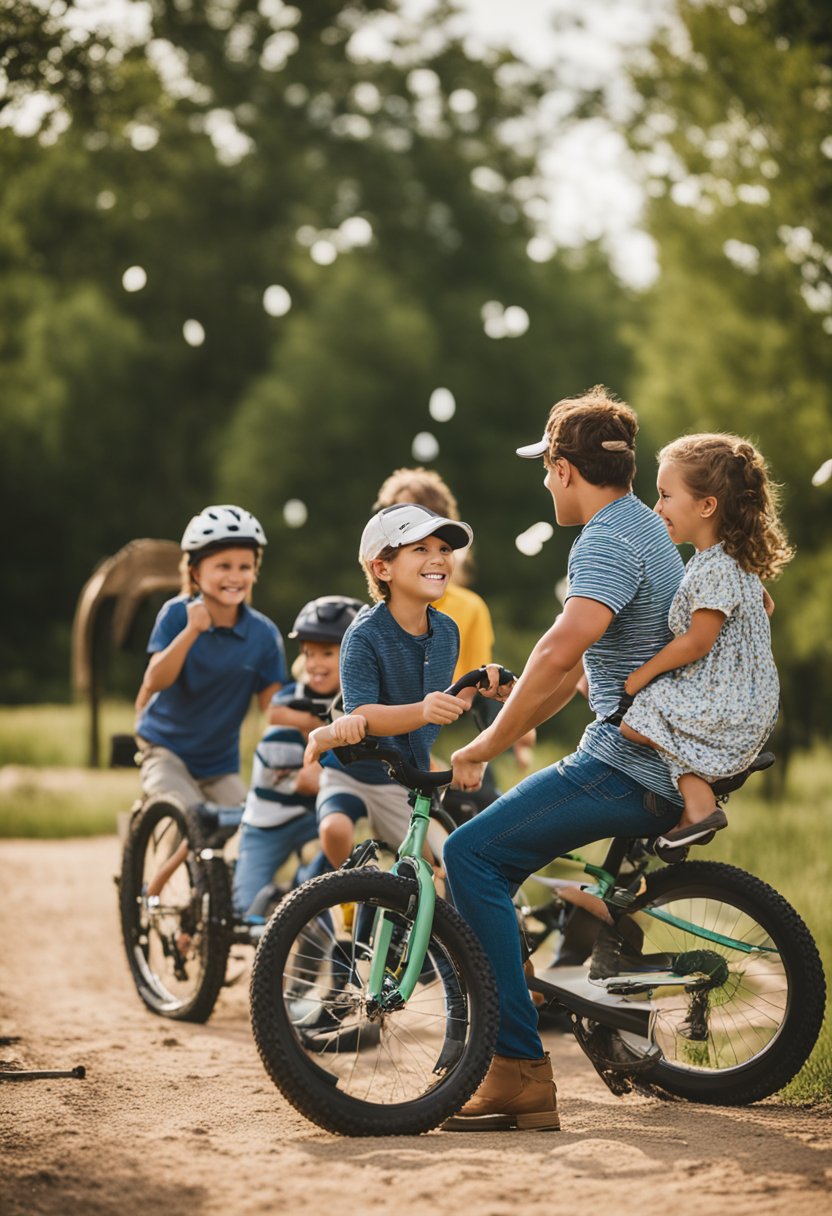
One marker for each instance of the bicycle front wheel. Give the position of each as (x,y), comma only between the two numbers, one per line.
(745,1030)
(175,910)
(347,1068)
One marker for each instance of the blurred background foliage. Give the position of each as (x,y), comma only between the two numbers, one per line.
(239,254)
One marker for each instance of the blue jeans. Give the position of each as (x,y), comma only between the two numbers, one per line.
(576,801)
(263,851)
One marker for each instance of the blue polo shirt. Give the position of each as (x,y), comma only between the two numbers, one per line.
(383,664)
(199,716)
(624,558)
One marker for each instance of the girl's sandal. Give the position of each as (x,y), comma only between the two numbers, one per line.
(694,833)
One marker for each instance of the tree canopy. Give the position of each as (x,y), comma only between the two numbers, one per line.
(244,242)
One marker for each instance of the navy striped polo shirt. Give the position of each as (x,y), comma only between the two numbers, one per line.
(383,664)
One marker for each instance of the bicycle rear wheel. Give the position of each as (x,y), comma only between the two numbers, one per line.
(346,1069)
(175,913)
(749,1028)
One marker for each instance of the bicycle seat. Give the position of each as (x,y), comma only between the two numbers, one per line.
(727,785)
(219,822)
(399,769)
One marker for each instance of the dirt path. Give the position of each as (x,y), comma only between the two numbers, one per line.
(182,1119)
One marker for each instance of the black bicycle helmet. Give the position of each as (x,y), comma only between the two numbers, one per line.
(325,619)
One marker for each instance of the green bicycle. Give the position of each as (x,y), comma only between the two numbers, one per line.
(374,1008)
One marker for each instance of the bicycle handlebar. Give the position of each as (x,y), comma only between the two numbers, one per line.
(319,707)
(400,769)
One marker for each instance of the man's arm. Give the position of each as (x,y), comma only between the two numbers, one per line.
(548,682)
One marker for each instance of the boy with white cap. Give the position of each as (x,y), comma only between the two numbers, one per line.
(396,659)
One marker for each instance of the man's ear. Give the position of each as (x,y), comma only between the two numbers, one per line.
(564,471)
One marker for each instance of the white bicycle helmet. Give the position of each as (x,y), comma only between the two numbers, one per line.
(225,525)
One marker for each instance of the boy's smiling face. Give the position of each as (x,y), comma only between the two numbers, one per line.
(420,571)
(226,577)
(321,663)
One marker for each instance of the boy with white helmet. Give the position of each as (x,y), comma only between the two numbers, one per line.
(210,653)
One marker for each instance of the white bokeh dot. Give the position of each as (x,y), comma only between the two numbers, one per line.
(442,405)
(134,278)
(193,332)
(276,300)
(295,513)
(425,446)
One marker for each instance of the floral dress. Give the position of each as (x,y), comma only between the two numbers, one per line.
(713,716)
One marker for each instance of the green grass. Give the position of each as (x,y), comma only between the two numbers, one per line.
(787,841)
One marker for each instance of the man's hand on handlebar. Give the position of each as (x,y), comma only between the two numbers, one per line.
(494,689)
(468,774)
(350,728)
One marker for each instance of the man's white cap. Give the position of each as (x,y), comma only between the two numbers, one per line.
(405,523)
(532,450)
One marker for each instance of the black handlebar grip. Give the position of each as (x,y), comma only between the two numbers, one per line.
(478,678)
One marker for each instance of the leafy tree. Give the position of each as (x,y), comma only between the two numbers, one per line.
(733,127)
(159,177)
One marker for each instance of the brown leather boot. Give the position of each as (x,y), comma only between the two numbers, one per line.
(515,1093)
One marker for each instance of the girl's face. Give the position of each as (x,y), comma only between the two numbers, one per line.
(321,667)
(420,571)
(689,520)
(227,577)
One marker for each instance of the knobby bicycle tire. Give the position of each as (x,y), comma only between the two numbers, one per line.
(402,1073)
(177,947)
(742,1038)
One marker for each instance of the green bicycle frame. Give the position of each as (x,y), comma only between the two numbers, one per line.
(410,854)
(604,888)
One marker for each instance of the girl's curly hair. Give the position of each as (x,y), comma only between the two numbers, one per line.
(732,471)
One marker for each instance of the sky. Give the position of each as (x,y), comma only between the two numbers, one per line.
(592,181)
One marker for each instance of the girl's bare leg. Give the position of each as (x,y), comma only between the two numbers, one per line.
(698,797)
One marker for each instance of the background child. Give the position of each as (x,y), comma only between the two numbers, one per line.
(279,818)
(396,659)
(716,699)
(210,652)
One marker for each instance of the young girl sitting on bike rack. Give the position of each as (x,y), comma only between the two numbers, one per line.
(396,658)
(210,653)
(279,817)
(709,699)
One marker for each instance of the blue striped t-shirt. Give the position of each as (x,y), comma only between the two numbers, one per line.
(624,558)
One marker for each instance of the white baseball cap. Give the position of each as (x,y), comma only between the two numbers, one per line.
(405,523)
(532,450)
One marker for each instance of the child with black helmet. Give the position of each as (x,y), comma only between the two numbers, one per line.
(210,653)
(279,817)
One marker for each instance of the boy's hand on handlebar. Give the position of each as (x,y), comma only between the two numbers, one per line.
(494,690)
(351,728)
(440,708)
